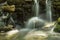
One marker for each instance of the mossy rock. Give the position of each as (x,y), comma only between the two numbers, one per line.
(59,19)
(57,29)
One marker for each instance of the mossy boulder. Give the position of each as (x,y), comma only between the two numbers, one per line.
(57,28)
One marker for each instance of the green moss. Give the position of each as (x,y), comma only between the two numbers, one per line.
(57,29)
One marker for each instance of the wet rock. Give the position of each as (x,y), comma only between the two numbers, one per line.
(36,35)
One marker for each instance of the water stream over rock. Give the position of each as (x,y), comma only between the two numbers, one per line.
(33,29)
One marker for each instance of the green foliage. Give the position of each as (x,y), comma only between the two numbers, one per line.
(57,29)
(59,19)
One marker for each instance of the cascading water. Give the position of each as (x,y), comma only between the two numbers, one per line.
(36,7)
(32,21)
(53,35)
(35,22)
(29,26)
(48,10)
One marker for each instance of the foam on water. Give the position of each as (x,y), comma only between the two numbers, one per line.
(35,21)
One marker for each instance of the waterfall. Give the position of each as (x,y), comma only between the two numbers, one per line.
(48,10)
(36,7)
(35,22)
(31,22)
(49,13)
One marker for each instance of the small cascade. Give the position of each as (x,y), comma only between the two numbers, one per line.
(48,10)
(49,13)
(31,22)
(35,22)
(36,8)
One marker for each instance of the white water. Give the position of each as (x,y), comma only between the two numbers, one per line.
(35,22)
(31,23)
(48,10)
(49,13)
(36,7)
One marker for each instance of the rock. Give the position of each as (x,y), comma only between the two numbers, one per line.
(9,8)
(11,34)
(36,35)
